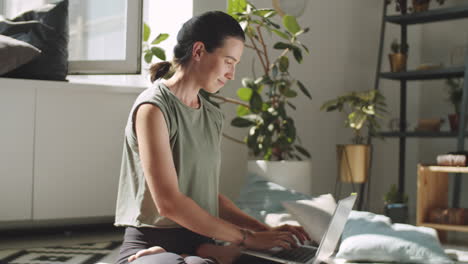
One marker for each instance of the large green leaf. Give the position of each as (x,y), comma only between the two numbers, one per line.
(148,57)
(244,93)
(158,52)
(283,63)
(146,32)
(291,105)
(242,110)
(290,93)
(160,38)
(302,150)
(263,12)
(280,33)
(241,122)
(304,89)
(297,54)
(256,102)
(290,23)
(282,45)
(236,6)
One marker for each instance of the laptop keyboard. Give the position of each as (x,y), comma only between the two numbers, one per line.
(299,254)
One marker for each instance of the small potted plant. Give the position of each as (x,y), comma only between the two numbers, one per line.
(455,93)
(418,5)
(363,109)
(396,205)
(398,56)
(423,5)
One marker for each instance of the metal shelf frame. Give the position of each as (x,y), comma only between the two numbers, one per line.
(404,20)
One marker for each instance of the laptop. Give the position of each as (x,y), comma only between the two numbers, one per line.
(305,254)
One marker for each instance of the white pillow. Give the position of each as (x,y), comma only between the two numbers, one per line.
(318,210)
(371,237)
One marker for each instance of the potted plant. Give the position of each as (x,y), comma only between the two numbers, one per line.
(265,98)
(150,49)
(455,93)
(363,109)
(398,56)
(396,205)
(423,5)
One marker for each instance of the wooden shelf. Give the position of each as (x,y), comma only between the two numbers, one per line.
(460,228)
(432,74)
(432,192)
(421,134)
(435,15)
(448,169)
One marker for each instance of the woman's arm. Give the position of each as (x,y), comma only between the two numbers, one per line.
(231,213)
(161,177)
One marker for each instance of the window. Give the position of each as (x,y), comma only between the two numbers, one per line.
(167,17)
(105,35)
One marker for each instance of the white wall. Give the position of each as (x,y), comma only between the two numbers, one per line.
(343,40)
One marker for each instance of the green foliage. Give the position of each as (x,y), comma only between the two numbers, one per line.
(271,131)
(363,108)
(150,49)
(455,92)
(396,47)
(394,196)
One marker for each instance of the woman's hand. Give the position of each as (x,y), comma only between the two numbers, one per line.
(144,252)
(297,231)
(269,239)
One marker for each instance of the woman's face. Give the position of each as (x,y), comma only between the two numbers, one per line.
(219,66)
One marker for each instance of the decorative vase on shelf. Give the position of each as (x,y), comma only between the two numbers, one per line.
(353,162)
(397,62)
(397,212)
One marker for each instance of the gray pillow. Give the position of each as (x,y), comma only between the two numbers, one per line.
(14,53)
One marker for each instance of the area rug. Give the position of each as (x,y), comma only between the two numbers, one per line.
(87,253)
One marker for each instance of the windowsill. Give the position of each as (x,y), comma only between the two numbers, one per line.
(130,80)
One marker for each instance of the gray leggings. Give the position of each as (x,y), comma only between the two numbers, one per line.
(175,241)
(170,258)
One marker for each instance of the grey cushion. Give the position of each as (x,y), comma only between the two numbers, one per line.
(45,28)
(14,53)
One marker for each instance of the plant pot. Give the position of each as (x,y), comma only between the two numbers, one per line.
(294,175)
(397,62)
(420,6)
(397,212)
(453,120)
(353,162)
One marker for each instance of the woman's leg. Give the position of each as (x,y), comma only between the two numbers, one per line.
(170,258)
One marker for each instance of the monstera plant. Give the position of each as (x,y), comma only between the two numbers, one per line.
(265,98)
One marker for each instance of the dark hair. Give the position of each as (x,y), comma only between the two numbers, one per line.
(211,28)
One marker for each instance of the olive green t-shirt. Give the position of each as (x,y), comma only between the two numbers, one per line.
(194,136)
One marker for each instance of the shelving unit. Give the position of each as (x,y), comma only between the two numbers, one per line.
(404,20)
(433,193)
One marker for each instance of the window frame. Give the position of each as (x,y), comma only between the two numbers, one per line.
(132,62)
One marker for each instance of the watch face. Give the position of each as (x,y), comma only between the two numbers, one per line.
(290,7)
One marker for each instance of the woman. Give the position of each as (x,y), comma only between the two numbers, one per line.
(168,193)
